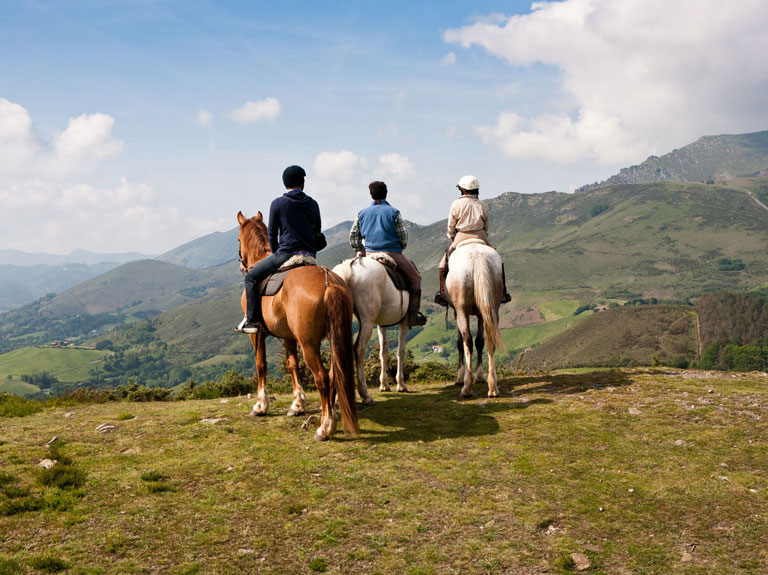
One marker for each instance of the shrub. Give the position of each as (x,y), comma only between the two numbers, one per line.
(433,371)
(15,406)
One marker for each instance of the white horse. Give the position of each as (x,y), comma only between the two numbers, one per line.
(377,302)
(474,287)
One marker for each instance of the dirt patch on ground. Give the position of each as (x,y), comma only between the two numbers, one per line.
(521,317)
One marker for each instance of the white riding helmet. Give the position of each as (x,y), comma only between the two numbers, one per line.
(469,183)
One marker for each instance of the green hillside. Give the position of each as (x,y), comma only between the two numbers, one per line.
(66,364)
(635,335)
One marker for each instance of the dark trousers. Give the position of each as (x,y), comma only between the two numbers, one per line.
(253,279)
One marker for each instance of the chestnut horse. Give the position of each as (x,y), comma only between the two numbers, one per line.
(312,304)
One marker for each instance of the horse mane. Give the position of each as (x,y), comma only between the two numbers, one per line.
(254,237)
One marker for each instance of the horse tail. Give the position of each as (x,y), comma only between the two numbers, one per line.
(338,305)
(485,301)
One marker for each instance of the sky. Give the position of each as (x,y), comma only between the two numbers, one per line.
(141,125)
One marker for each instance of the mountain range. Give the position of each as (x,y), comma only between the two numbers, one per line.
(605,246)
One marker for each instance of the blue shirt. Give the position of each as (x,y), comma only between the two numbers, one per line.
(294,221)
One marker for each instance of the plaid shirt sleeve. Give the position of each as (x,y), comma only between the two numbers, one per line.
(400,231)
(355,239)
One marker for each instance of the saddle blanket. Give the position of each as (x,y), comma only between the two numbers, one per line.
(397,277)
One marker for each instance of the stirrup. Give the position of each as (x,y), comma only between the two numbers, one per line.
(417,319)
(440,299)
(506,299)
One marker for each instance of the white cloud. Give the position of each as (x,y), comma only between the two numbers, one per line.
(396,165)
(339,182)
(204,118)
(86,140)
(17,141)
(640,77)
(449,59)
(250,112)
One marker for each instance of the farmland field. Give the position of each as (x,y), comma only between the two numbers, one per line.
(67,364)
(635,471)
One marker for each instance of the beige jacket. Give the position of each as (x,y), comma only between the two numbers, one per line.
(468,215)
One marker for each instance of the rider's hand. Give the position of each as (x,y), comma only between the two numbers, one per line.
(360,254)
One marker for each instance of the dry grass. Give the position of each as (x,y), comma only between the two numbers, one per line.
(632,468)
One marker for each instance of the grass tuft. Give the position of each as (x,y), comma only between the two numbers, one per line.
(9,567)
(49,564)
(318,565)
(160,487)
(152,476)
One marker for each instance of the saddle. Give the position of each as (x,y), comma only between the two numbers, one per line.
(395,275)
(272,284)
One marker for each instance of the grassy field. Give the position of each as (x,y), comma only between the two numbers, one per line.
(645,472)
(17,387)
(67,364)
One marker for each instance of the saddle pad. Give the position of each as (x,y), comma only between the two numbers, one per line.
(470,241)
(383,258)
(397,278)
(273,283)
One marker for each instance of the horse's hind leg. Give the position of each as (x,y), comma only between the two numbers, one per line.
(261,407)
(401,337)
(361,347)
(462,322)
(493,389)
(299,404)
(327,414)
(479,345)
(460,349)
(383,357)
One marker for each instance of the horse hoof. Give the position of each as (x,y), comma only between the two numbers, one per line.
(404,390)
(384,389)
(463,395)
(368,400)
(319,437)
(458,383)
(293,413)
(493,394)
(255,413)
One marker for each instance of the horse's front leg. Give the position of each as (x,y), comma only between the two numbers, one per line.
(401,337)
(261,407)
(299,405)
(361,347)
(462,322)
(479,346)
(383,358)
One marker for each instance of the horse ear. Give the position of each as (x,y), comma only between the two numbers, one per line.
(259,217)
(241,218)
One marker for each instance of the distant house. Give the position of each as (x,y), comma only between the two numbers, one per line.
(61,343)
(437,349)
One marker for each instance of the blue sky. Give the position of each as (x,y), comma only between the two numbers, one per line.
(140,125)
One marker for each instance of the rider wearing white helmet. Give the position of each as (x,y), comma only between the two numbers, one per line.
(468,219)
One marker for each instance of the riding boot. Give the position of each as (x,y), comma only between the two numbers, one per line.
(507,298)
(440,298)
(415,317)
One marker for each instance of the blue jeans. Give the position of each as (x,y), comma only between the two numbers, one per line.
(253,279)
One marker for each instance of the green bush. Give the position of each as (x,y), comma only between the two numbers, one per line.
(433,371)
(49,564)
(15,406)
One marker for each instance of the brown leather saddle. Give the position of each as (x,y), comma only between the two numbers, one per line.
(272,284)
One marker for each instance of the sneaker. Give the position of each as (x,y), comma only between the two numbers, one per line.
(440,300)
(246,326)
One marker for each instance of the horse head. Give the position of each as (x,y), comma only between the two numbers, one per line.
(253,239)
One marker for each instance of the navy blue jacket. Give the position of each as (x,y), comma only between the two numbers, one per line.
(294,220)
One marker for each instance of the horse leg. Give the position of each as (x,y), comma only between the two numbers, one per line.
(315,365)
(361,348)
(460,348)
(299,404)
(383,358)
(261,407)
(462,322)
(479,345)
(402,334)
(493,389)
